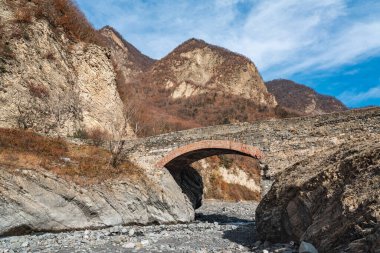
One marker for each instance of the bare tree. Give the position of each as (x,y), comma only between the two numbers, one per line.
(129,123)
(65,107)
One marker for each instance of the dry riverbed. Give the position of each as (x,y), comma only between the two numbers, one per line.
(219,227)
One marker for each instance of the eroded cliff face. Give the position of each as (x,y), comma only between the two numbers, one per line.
(230,177)
(49,184)
(38,200)
(128,61)
(330,199)
(196,67)
(52,83)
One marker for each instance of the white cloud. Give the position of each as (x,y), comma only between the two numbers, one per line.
(352,98)
(348,46)
(282,37)
(279,31)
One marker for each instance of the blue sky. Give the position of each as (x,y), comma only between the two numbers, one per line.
(332,46)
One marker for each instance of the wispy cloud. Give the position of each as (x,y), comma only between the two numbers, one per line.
(354,99)
(347,47)
(282,37)
(285,38)
(280,34)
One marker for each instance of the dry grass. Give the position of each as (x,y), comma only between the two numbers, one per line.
(61,14)
(82,164)
(23,15)
(98,136)
(32,143)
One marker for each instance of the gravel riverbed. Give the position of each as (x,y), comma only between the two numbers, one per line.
(219,227)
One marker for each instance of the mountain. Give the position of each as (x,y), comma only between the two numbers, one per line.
(301,99)
(199,84)
(196,67)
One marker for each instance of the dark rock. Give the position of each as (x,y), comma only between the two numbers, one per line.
(331,200)
(190,182)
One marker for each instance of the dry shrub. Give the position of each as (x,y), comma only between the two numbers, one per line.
(5,49)
(80,134)
(23,15)
(27,141)
(61,14)
(38,90)
(49,56)
(98,136)
(65,14)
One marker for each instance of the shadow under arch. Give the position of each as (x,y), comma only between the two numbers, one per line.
(179,161)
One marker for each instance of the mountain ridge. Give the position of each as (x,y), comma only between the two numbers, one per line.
(302,99)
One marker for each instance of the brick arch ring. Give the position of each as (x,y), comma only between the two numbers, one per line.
(202,149)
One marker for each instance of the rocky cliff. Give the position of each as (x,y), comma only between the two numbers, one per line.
(330,199)
(127,60)
(38,200)
(47,184)
(195,68)
(230,177)
(56,77)
(301,99)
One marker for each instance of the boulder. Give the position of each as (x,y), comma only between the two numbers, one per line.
(331,200)
(307,248)
(39,200)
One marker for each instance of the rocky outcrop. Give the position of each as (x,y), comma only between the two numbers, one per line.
(198,84)
(196,67)
(38,200)
(330,199)
(190,182)
(51,82)
(301,99)
(230,177)
(128,61)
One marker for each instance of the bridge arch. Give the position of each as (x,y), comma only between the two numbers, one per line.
(179,161)
(195,151)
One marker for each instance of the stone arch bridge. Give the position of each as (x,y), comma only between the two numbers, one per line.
(278,143)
